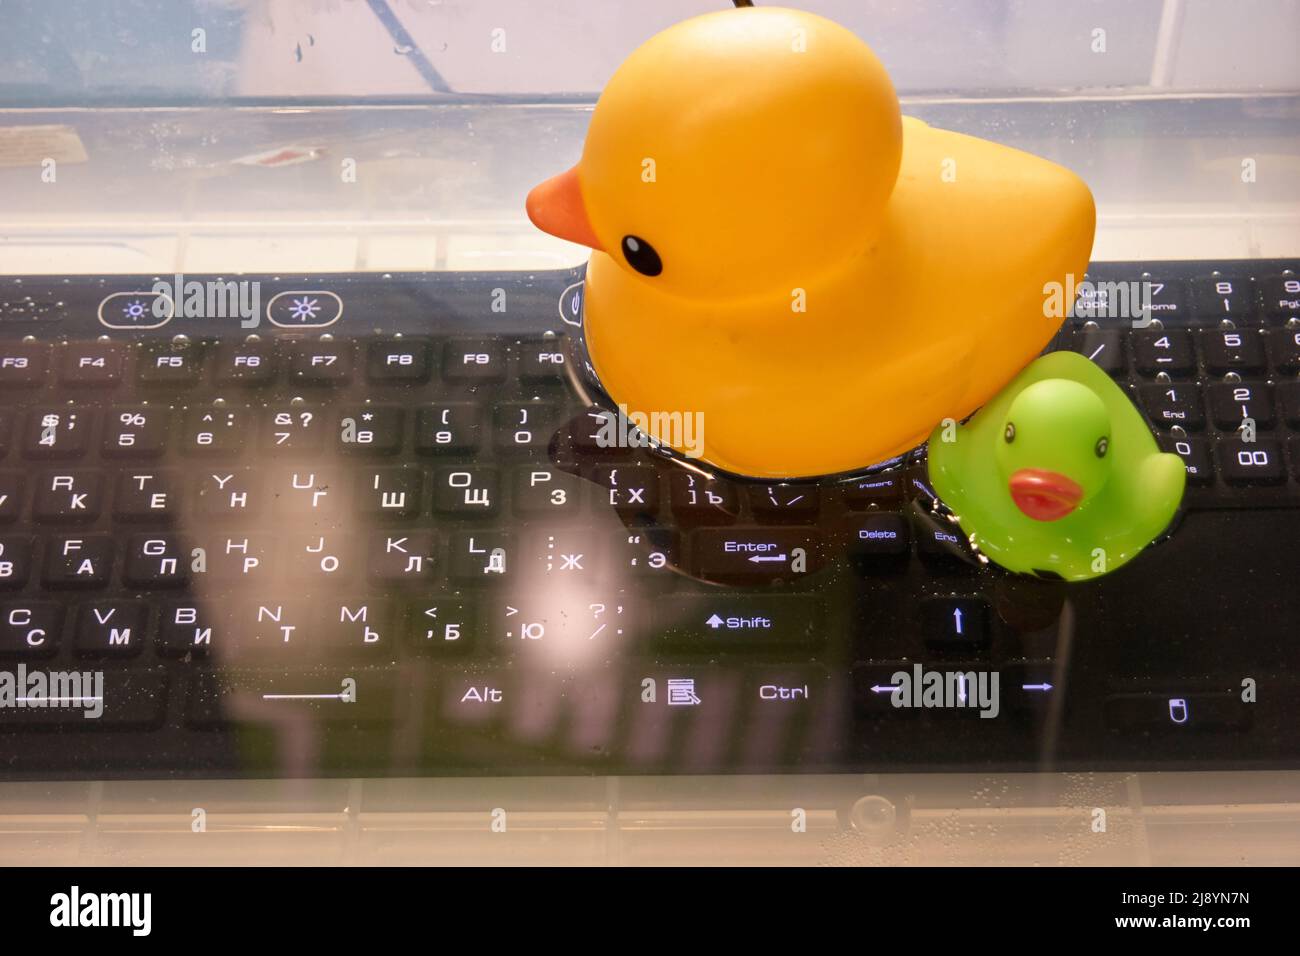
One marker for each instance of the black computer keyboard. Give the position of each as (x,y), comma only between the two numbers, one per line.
(376,535)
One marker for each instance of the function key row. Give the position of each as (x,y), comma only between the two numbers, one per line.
(257,362)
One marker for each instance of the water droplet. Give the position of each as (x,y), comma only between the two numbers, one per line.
(401,49)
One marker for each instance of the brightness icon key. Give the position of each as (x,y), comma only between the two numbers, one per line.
(304,309)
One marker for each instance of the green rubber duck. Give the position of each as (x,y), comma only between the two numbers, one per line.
(1058,475)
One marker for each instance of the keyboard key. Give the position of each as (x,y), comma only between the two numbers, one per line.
(1232,403)
(147,496)
(295,429)
(712,623)
(878,538)
(69,497)
(178,364)
(229,493)
(308,493)
(252,363)
(1105,347)
(1168,298)
(58,433)
(30,629)
(374,430)
(1285,345)
(631,490)
(474,361)
(239,559)
(1281,296)
(91,364)
(215,430)
(955,624)
(650,553)
(1288,395)
(1233,350)
(943,546)
(595,433)
(756,555)
(7,419)
(331,558)
(524,426)
(11,495)
(366,696)
(697,500)
(126,700)
(1195,453)
(785,504)
(1251,463)
(1178,712)
(274,628)
(23,364)
(450,428)
(390,492)
(481,557)
(111,629)
(156,561)
(441,626)
(321,363)
(136,431)
(1162,350)
(878,491)
(15,560)
(356,628)
(542,363)
(1222,297)
(1168,405)
(402,557)
(466,491)
(188,629)
(544,490)
(404,362)
(78,561)
(565,555)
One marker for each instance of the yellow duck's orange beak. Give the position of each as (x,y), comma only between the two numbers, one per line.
(556,206)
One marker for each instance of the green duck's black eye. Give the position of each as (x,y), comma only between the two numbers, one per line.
(641,256)
(1010,433)
(1103,445)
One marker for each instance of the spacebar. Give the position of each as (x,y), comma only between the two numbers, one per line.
(344,696)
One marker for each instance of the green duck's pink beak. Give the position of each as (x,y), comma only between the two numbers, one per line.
(1044,495)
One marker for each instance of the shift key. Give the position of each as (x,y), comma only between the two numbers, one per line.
(717,621)
(756,555)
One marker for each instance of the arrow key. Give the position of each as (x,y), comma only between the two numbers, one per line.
(955,624)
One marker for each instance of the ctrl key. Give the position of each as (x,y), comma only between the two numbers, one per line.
(363,696)
(1177,713)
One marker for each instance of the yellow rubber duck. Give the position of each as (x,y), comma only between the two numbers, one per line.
(780,251)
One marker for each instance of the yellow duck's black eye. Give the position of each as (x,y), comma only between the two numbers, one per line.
(641,256)
(1010,433)
(1103,445)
